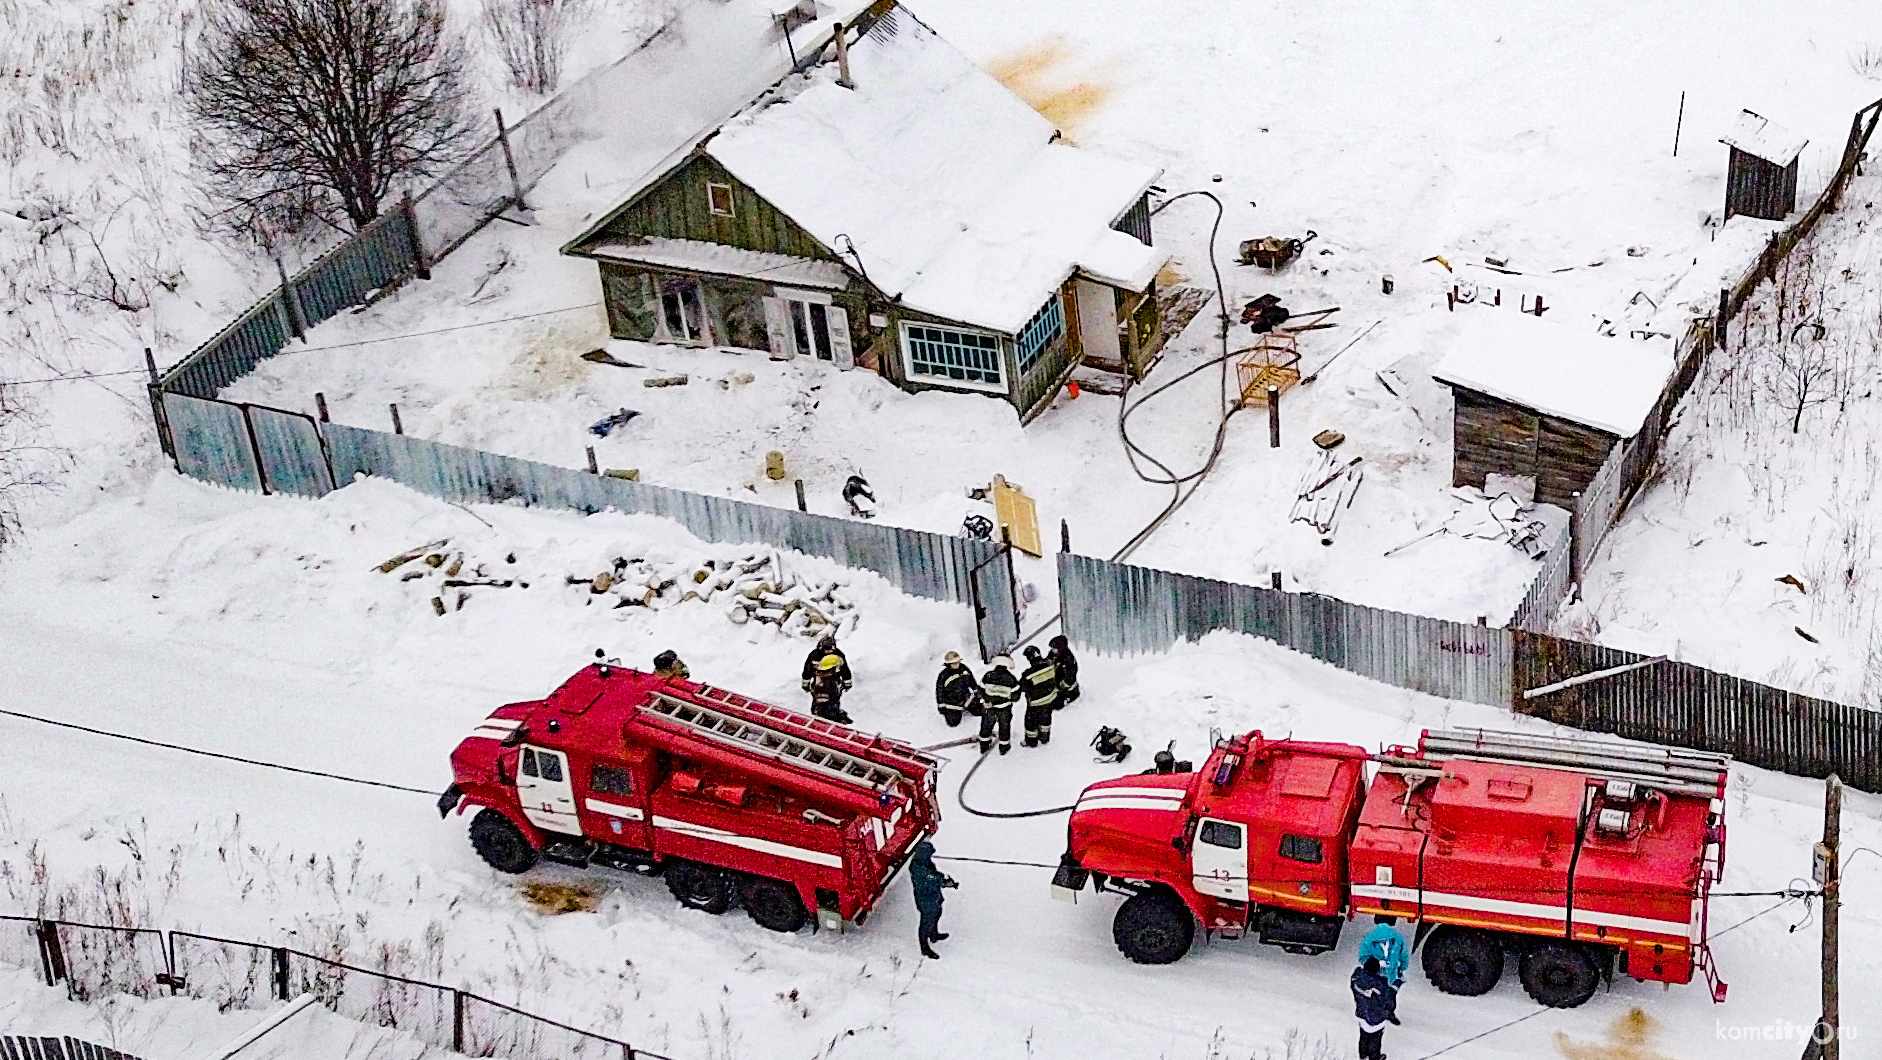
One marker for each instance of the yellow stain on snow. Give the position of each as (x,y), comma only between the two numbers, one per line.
(1040,74)
(1629,1037)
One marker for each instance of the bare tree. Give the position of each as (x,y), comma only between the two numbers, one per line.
(533,36)
(24,467)
(315,110)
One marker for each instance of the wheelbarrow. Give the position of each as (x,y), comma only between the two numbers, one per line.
(1274,252)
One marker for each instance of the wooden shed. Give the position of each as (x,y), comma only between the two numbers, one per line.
(1761,180)
(1543,401)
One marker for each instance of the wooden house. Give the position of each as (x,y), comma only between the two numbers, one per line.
(1761,179)
(1539,400)
(890,206)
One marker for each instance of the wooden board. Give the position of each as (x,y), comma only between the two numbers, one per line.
(1016,516)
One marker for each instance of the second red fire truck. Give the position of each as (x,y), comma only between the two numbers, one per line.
(1578,858)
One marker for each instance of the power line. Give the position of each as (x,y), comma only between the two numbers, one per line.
(64,378)
(1486,1034)
(214,754)
(441,331)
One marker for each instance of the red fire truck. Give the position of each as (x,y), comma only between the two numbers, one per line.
(1578,857)
(727,798)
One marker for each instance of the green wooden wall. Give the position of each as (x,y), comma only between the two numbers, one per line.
(676,208)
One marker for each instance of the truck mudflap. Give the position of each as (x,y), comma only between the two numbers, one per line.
(1069,879)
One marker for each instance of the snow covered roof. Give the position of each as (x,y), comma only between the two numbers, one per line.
(948,186)
(1607,384)
(725,261)
(1763,138)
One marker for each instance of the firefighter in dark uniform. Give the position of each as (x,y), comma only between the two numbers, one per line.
(826,645)
(1061,655)
(667,664)
(955,690)
(826,691)
(1041,685)
(999,690)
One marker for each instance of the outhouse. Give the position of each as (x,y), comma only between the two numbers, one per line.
(1761,180)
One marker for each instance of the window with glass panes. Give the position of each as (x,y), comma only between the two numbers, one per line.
(942,355)
(1045,326)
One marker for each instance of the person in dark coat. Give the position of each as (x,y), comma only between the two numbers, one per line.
(1061,655)
(929,882)
(999,690)
(826,645)
(667,664)
(1041,685)
(826,691)
(1375,1003)
(955,690)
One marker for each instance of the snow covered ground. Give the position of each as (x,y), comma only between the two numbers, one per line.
(257,626)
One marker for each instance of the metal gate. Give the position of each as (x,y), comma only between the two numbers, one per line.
(996,603)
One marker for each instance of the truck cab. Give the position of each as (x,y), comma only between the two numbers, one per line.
(1253,841)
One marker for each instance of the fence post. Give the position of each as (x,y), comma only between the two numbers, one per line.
(1274,417)
(1725,315)
(593,468)
(162,418)
(421,268)
(280,973)
(290,300)
(457,1021)
(51,955)
(509,161)
(398,427)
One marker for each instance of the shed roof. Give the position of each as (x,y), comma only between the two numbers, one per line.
(949,187)
(1761,137)
(1607,384)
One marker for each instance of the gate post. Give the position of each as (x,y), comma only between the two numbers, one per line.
(457,1021)
(51,955)
(280,955)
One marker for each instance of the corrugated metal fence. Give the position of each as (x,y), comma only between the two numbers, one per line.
(252,447)
(21,1047)
(1118,609)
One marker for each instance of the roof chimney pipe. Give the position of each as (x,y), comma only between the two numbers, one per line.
(843,56)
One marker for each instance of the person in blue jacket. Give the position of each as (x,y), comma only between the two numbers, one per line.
(928,882)
(1385,943)
(1375,1003)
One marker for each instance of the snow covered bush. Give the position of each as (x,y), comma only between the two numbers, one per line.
(318,111)
(533,37)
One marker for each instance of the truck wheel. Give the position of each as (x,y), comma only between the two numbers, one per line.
(1462,961)
(500,843)
(1559,974)
(699,886)
(1153,928)
(773,904)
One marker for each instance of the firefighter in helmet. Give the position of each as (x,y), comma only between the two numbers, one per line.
(1041,685)
(955,690)
(826,645)
(667,664)
(1061,655)
(826,690)
(999,690)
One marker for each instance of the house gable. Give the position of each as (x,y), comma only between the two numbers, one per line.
(678,205)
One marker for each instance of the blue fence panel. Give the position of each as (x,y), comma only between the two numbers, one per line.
(292,459)
(378,255)
(212,441)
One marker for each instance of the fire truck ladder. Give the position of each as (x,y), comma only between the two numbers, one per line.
(773,742)
(1670,769)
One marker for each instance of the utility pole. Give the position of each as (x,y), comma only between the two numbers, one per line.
(1830,860)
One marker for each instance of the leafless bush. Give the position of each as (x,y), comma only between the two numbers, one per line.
(311,111)
(533,37)
(25,467)
(1866,60)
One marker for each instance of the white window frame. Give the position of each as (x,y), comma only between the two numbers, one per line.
(731,207)
(908,362)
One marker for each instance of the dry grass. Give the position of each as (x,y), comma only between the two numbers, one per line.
(1630,1037)
(558,898)
(1040,74)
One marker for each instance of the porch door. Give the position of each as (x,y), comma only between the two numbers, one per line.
(681,313)
(811,325)
(1097,322)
